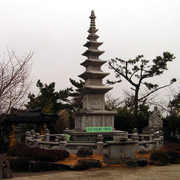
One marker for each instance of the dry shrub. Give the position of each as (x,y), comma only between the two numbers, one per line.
(36,153)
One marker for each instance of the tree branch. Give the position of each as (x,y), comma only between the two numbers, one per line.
(118,72)
(155,91)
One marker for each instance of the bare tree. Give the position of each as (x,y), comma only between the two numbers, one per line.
(113,103)
(14,79)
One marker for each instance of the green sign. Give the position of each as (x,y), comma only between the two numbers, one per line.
(67,136)
(98,129)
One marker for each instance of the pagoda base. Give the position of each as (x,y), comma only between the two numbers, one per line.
(94,118)
(99,118)
(84,137)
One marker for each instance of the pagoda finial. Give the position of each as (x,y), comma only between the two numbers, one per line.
(92,17)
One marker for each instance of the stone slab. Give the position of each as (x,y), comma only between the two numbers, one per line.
(90,136)
(121,149)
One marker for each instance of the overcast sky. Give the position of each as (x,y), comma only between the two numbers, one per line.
(57,29)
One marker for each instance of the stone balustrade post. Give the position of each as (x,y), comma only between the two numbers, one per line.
(27,138)
(135,137)
(135,130)
(156,134)
(47,135)
(135,134)
(57,139)
(157,139)
(37,139)
(152,131)
(33,134)
(63,142)
(100,144)
(157,144)
(151,145)
(151,137)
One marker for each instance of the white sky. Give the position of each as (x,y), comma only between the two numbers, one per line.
(56,30)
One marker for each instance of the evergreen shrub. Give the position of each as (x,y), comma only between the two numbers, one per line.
(159,157)
(174,156)
(51,155)
(39,166)
(81,166)
(36,153)
(84,152)
(20,164)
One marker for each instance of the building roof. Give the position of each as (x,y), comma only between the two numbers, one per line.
(17,116)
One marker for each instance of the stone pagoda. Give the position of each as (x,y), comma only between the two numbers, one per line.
(94,126)
(93,113)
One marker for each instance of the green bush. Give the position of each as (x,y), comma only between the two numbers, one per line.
(159,157)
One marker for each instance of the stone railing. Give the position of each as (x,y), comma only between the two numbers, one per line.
(60,141)
(151,141)
(34,139)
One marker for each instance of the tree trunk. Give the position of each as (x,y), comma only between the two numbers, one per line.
(136,102)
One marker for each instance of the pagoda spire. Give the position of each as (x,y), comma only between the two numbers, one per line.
(92,29)
(92,23)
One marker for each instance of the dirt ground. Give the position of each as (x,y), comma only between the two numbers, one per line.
(169,172)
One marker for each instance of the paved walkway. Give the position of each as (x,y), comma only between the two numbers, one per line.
(169,172)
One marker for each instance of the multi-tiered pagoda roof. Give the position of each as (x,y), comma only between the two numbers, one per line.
(93,75)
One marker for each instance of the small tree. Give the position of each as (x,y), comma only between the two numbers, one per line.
(76,96)
(112,103)
(124,120)
(51,102)
(174,105)
(172,121)
(171,126)
(48,99)
(14,84)
(137,71)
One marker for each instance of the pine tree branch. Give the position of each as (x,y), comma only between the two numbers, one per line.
(155,91)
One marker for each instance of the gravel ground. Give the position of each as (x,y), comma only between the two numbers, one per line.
(169,172)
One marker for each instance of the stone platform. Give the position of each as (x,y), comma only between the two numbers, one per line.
(95,118)
(122,149)
(79,136)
